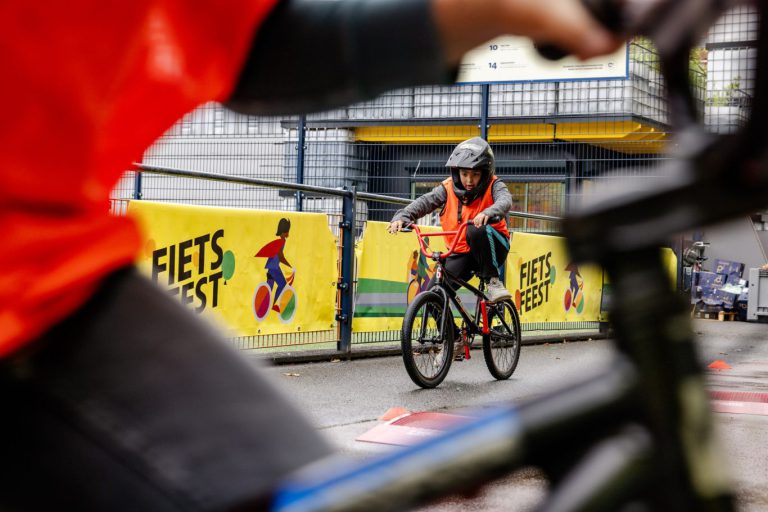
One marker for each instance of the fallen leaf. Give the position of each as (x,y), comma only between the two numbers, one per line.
(292,374)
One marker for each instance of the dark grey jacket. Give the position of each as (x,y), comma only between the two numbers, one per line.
(434,200)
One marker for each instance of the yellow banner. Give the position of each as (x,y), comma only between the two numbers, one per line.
(547,286)
(252,271)
(390,272)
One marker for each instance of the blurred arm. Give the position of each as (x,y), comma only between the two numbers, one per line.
(318,54)
(314,55)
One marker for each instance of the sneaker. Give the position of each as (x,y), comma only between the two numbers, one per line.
(496,290)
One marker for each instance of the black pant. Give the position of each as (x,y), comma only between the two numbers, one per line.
(133,403)
(479,260)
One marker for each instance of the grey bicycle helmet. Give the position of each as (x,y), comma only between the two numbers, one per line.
(475,154)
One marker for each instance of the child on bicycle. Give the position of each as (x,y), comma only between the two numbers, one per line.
(473,193)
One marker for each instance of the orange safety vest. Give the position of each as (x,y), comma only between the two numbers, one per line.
(88,86)
(455,213)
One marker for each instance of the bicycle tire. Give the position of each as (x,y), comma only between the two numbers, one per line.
(432,347)
(501,348)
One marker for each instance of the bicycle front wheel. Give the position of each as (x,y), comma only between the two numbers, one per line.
(427,340)
(501,347)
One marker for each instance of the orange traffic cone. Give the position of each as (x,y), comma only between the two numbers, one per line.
(719,365)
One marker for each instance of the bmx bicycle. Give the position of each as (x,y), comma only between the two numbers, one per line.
(429,332)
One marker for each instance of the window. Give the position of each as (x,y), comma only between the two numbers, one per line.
(547,198)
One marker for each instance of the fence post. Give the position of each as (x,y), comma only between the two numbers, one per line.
(300,161)
(485,95)
(137,192)
(346,279)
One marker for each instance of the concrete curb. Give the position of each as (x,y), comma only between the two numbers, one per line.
(363,352)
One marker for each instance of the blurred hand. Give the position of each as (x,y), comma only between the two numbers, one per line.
(465,24)
(395,226)
(480,220)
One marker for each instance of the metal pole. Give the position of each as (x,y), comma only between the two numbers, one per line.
(137,192)
(300,161)
(346,279)
(486,94)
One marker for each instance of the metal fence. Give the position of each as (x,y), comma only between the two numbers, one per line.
(554,143)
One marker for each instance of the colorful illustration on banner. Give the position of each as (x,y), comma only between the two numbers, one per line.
(419,273)
(536,278)
(228,266)
(276,293)
(574,295)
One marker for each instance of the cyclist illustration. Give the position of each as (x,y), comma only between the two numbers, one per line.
(574,295)
(419,274)
(277,292)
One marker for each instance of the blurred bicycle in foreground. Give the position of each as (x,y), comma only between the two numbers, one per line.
(639,436)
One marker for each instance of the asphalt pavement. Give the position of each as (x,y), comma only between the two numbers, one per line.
(346,399)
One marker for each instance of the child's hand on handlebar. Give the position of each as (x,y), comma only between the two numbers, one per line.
(480,220)
(395,226)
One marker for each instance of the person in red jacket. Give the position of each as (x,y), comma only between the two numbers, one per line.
(473,193)
(114,396)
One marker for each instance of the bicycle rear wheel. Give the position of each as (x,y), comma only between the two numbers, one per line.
(501,348)
(427,340)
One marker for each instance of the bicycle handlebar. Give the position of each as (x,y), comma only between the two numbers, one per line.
(435,255)
(455,233)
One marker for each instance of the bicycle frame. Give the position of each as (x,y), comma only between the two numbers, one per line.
(481,305)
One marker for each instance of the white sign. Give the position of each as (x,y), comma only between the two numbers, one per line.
(514,59)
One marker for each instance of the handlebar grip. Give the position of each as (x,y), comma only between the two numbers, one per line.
(607,12)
